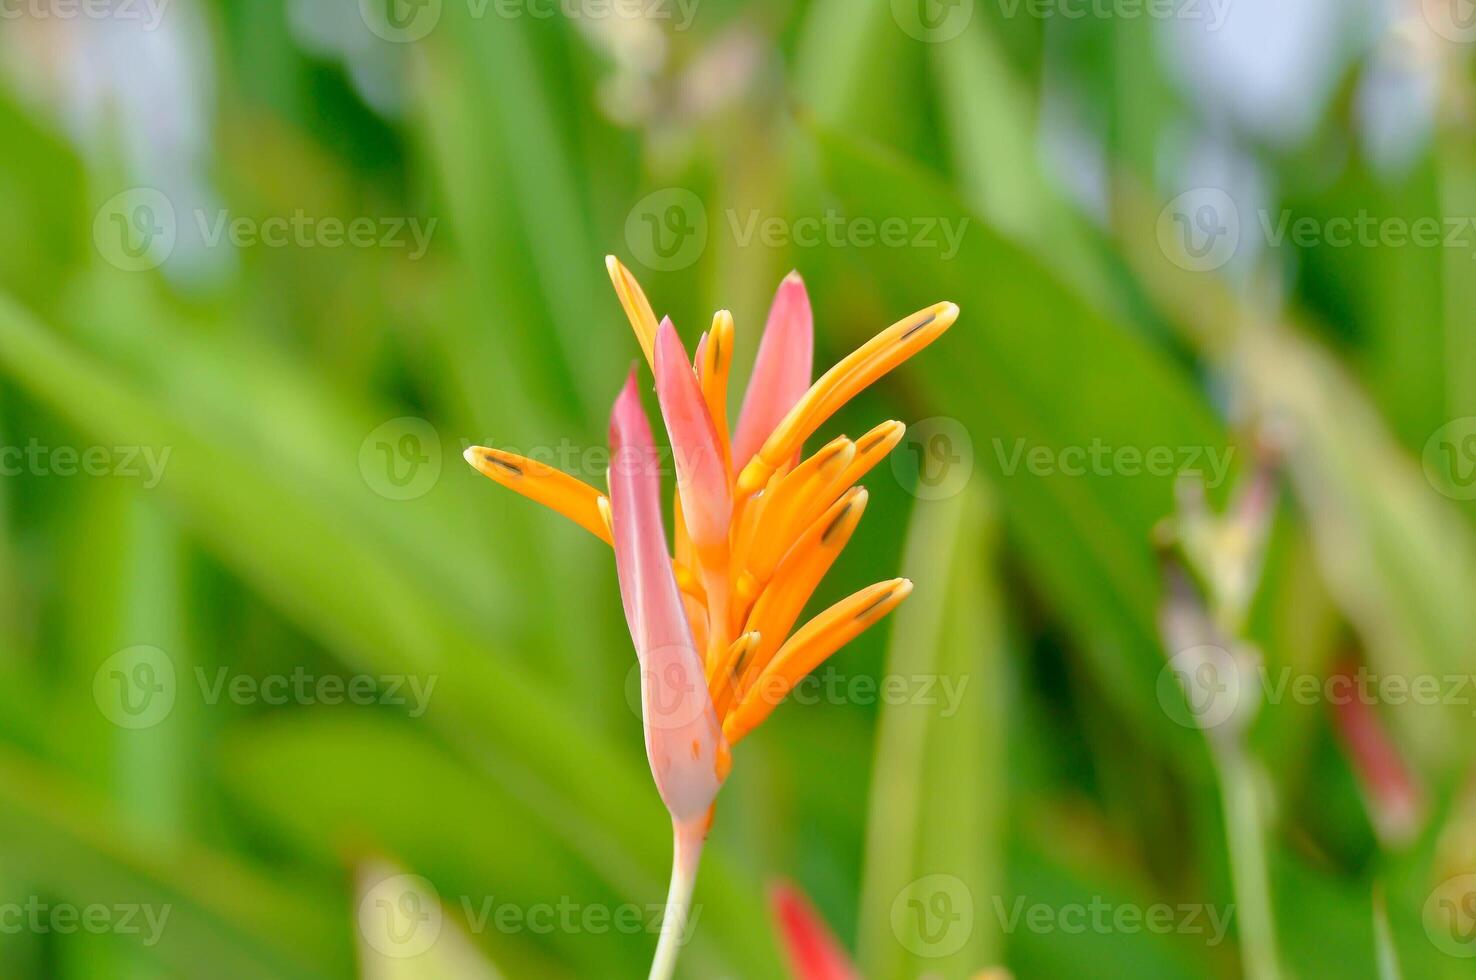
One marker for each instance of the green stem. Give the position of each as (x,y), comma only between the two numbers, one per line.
(687,841)
(1248,873)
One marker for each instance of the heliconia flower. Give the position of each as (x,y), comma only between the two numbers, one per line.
(1395,802)
(756,525)
(812,952)
(809,947)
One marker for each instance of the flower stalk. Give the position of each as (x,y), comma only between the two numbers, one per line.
(688,837)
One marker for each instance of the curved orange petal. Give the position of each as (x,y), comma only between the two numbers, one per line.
(551,487)
(637,307)
(842,383)
(808,648)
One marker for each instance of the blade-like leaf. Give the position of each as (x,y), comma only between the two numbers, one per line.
(1032,369)
(934,833)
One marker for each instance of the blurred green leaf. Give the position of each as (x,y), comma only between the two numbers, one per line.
(1031,368)
(936,821)
(1396,555)
(190,906)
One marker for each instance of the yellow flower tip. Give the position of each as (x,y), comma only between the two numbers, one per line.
(637,307)
(494,463)
(754,476)
(794,276)
(890,431)
(689,581)
(845,521)
(546,485)
(886,596)
(724,671)
(721,333)
(843,382)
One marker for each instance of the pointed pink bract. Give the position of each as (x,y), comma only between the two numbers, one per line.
(683,738)
(813,953)
(702,477)
(781,371)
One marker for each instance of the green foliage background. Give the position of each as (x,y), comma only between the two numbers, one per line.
(268,546)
